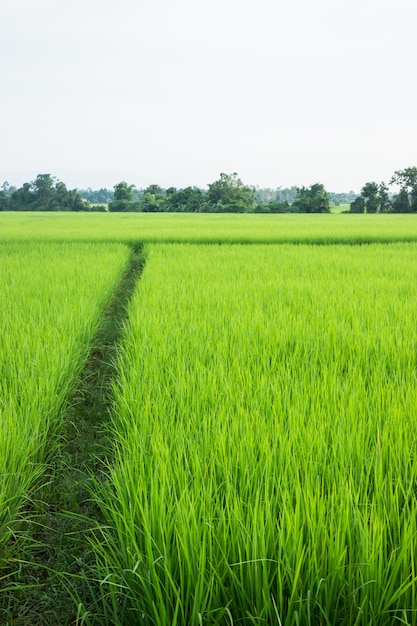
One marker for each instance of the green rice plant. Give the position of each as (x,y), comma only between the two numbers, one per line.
(264,428)
(52,296)
(208,228)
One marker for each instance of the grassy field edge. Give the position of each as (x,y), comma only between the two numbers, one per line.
(51,570)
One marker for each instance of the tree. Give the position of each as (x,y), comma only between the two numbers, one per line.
(384,198)
(370,194)
(358,205)
(401,202)
(123,191)
(171,201)
(229,194)
(22,199)
(73,201)
(188,200)
(153,199)
(4,201)
(314,199)
(45,193)
(407,180)
(43,188)
(64,200)
(124,198)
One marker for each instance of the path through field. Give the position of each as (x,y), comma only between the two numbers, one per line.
(52,570)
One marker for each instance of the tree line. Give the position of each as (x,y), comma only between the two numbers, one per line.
(376,197)
(263,196)
(228,194)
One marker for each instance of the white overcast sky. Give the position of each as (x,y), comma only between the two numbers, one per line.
(283,92)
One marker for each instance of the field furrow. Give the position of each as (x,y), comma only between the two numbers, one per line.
(52,297)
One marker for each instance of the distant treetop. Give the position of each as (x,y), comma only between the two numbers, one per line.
(376,198)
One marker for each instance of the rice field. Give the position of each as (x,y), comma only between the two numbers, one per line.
(51,301)
(265,439)
(262,468)
(207,228)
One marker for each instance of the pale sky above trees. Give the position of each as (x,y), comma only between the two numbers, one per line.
(284,92)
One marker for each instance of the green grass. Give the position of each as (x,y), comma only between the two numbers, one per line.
(264,440)
(56,555)
(263,464)
(51,301)
(204,228)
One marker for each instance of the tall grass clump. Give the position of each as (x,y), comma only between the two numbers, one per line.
(265,451)
(51,301)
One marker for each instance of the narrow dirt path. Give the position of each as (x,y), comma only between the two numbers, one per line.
(62,515)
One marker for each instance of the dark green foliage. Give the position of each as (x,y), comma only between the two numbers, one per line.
(275,207)
(230,195)
(4,201)
(125,199)
(153,199)
(45,193)
(23,199)
(374,198)
(188,200)
(123,191)
(384,198)
(122,206)
(95,208)
(370,193)
(407,179)
(413,200)
(401,203)
(358,205)
(314,199)
(281,207)
(119,206)
(372,205)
